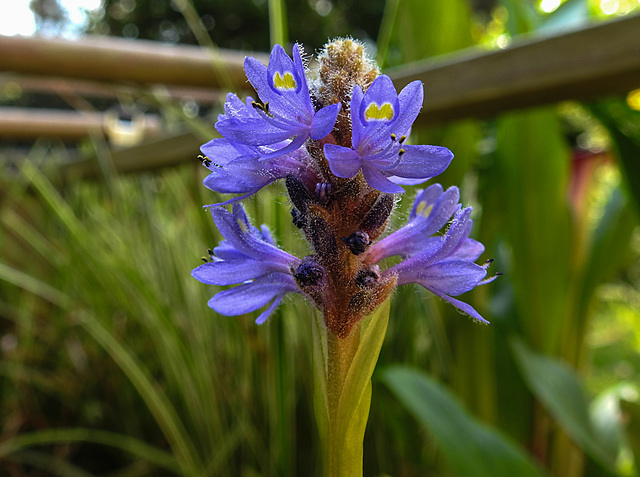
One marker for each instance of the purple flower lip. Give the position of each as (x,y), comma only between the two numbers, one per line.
(247,257)
(381,119)
(287,112)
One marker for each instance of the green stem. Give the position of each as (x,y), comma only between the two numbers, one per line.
(343,457)
(344,367)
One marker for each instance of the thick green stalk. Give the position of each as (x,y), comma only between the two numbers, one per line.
(344,367)
(344,457)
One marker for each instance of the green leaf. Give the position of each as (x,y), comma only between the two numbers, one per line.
(414,30)
(609,249)
(623,124)
(631,411)
(470,447)
(532,159)
(559,390)
(129,444)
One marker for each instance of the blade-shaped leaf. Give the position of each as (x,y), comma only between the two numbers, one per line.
(559,390)
(469,447)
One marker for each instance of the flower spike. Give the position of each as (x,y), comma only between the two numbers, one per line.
(339,142)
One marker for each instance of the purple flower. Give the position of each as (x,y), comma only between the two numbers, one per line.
(443,264)
(286,111)
(240,169)
(381,120)
(249,257)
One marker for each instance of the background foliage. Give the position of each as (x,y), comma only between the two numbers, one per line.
(113,365)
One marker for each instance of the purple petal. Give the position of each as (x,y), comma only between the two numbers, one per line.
(241,176)
(256,73)
(235,108)
(292,146)
(220,151)
(458,231)
(254,132)
(230,272)
(407,245)
(266,313)
(343,161)
(426,199)
(410,99)
(468,249)
(324,120)
(357,128)
(422,162)
(451,278)
(246,243)
(431,211)
(462,307)
(249,297)
(226,251)
(378,180)
(433,215)
(280,64)
(377,113)
(407,182)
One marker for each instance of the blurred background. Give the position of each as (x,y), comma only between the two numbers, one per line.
(113,365)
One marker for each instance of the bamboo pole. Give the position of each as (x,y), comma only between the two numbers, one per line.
(100,89)
(122,61)
(595,61)
(31,123)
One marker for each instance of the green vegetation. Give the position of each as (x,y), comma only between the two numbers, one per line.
(112,364)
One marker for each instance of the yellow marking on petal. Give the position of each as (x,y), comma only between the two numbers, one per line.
(284,82)
(243,226)
(375,112)
(423,210)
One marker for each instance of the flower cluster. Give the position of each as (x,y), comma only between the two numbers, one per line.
(339,142)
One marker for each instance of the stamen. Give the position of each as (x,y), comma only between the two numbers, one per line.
(206,162)
(393,137)
(401,152)
(262,107)
(402,139)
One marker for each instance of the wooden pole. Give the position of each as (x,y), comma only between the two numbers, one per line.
(596,61)
(31,123)
(123,61)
